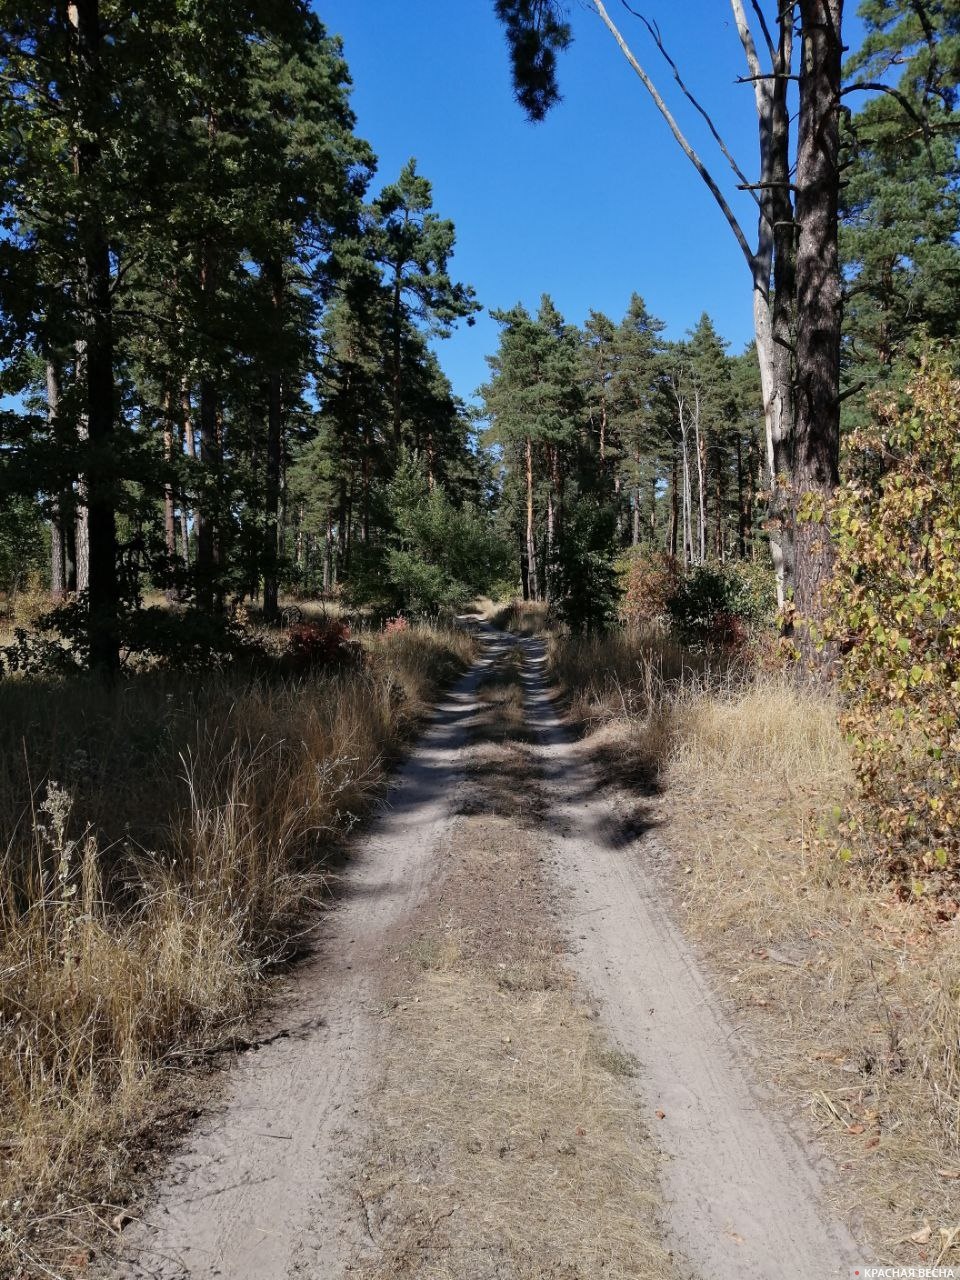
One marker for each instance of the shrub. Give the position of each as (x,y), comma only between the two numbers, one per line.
(648,580)
(583,582)
(894,607)
(722,605)
(315,645)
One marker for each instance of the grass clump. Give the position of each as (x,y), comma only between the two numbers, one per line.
(162,845)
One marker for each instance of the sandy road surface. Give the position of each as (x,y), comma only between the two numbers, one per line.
(743,1201)
(261,1191)
(256,1194)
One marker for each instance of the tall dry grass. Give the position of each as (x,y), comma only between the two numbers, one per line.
(522,617)
(162,844)
(850,995)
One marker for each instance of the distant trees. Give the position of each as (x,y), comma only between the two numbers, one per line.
(617,438)
(794,259)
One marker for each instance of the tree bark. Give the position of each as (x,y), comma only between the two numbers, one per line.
(397,371)
(103,633)
(58,552)
(81,523)
(169,508)
(328,555)
(189,443)
(819,311)
(274,454)
(532,577)
(774,310)
(700,450)
(674,509)
(741,503)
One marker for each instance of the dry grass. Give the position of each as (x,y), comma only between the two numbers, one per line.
(851,995)
(522,617)
(163,844)
(515,1149)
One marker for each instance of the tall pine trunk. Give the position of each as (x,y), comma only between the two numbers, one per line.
(99,391)
(819,310)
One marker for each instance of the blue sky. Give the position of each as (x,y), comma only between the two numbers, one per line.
(589,206)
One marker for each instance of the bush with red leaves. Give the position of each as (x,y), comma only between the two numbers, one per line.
(325,643)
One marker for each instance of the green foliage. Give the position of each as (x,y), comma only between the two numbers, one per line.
(895,614)
(584,589)
(723,604)
(536,32)
(24,544)
(439,555)
(901,196)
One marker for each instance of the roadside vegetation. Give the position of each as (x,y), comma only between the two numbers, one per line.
(808,829)
(164,845)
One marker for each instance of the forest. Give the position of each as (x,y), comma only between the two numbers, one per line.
(250,534)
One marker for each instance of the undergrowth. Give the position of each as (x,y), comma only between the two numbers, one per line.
(162,845)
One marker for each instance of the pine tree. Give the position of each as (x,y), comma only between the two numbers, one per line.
(901,201)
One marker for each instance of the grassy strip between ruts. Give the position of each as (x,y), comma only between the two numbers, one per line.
(507,1138)
(163,844)
(849,996)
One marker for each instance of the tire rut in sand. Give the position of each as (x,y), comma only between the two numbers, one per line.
(506,1135)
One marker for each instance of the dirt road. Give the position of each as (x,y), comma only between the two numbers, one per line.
(267,1188)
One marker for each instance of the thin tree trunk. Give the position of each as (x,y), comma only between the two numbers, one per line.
(341,557)
(274,454)
(720,499)
(397,371)
(532,576)
(674,509)
(169,511)
(699,448)
(81,536)
(188,442)
(819,311)
(687,494)
(741,503)
(58,563)
(328,555)
(753,475)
